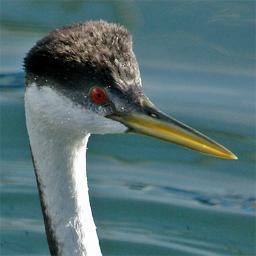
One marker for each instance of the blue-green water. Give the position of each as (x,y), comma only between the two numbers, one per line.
(197,61)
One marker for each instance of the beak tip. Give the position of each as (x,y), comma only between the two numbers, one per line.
(231,156)
(234,157)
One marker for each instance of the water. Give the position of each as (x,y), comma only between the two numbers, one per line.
(148,197)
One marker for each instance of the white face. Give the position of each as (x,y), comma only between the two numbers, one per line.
(59,112)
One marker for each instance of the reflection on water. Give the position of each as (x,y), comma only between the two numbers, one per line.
(148,197)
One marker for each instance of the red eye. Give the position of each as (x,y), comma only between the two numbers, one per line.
(98,95)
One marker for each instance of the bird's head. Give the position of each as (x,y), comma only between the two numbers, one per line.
(85,78)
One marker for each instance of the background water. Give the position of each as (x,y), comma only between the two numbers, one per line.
(197,61)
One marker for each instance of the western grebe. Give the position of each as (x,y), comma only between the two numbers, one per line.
(84,79)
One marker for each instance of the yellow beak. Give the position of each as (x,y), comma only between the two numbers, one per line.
(156,124)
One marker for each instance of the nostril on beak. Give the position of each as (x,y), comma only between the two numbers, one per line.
(152,115)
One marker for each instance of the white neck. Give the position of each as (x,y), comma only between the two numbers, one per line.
(59,160)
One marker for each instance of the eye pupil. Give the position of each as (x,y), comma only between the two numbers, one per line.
(98,95)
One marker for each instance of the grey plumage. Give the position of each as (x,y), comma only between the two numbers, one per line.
(88,52)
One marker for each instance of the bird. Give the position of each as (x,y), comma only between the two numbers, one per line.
(84,79)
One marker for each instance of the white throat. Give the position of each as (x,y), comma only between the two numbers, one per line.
(59,158)
(64,190)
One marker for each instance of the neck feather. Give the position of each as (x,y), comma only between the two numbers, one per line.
(59,160)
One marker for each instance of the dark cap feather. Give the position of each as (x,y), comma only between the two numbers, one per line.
(86,49)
